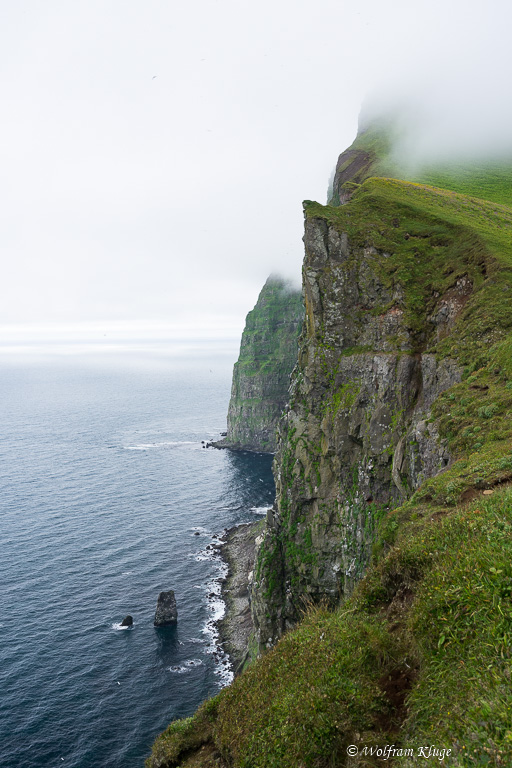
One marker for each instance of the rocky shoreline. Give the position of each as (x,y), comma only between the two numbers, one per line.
(236,627)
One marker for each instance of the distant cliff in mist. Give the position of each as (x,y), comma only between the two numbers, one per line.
(261,377)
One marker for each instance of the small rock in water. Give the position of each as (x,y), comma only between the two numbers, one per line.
(166,610)
(127,621)
(196,533)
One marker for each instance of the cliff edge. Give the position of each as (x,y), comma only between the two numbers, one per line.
(387,286)
(382,587)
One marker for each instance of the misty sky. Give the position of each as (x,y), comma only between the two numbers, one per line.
(155,154)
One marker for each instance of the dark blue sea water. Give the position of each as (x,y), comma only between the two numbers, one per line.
(103,484)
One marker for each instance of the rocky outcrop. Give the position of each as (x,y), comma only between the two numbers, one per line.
(127,621)
(166,611)
(353,166)
(357,437)
(236,627)
(261,377)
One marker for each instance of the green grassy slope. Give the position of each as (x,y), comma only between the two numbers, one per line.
(420,655)
(486,179)
(490,180)
(434,236)
(422,652)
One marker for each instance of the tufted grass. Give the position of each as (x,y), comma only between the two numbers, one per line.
(421,654)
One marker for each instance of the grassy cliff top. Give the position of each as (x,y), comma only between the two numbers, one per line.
(375,148)
(421,654)
(433,237)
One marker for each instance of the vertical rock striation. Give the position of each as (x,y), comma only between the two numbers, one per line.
(261,377)
(357,437)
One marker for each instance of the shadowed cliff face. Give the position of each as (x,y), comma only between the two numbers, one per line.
(356,439)
(261,377)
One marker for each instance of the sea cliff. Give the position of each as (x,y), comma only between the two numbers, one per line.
(381,591)
(261,376)
(358,435)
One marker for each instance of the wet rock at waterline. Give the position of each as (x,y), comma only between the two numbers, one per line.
(166,611)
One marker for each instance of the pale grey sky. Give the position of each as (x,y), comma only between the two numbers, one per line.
(154,155)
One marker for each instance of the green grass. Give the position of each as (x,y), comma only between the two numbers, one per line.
(421,653)
(487,179)
(268,346)
(432,238)
(457,569)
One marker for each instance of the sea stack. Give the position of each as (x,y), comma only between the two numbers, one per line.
(166,611)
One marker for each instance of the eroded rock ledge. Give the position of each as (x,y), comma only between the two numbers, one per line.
(236,628)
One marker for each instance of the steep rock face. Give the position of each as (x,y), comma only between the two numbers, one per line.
(353,166)
(356,438)
(261,377)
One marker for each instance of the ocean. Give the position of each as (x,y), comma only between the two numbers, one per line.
(108,497)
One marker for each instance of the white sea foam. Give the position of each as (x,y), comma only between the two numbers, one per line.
(118,626)
(164,444)
(201,557)
(217,608)
(225,671)
(205,555)
(180,669)
(259,510)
